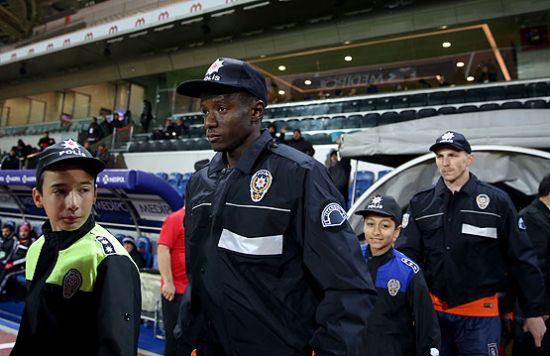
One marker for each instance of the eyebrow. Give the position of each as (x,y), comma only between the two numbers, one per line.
(58,185)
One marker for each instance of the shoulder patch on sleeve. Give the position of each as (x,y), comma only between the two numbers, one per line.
(405,220)
(411,264)
(521,224)
(108,248)
(333,215)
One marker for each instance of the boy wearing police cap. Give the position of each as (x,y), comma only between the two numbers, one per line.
(273,265)
(83,294)
(468,238)
(403,321)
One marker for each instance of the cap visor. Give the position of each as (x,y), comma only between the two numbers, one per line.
(196,88)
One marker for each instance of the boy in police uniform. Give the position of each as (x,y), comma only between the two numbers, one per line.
(83,289)
(403,321)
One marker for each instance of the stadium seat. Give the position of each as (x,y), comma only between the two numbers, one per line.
(400,102)
(495,93)
(437,98)
(197,131)
(146,249)
(306,124)
(175,176)
(370,120)
(455,96)
(335,108)
(320,139)
(367,105)
(535,104)
(352,121)
(162,175)
(516,91)
(407,115)
(474,95)
(383,173)
(335,135)
(383,103)
(120,237)
(426,112)
(335,123)
(512,105)
(418,100)
(201,144)
(350,106)
(364,180)
(319,109)
(467,108)
(538,89)
(489,107)
(389,117)
(446,110)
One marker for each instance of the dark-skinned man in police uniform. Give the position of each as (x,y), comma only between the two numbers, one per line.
(468,239)
(275,268)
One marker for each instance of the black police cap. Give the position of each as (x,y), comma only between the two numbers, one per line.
(68,151)
(383,205)
(453,139)
(227,75)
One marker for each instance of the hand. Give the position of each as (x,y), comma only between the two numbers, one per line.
(168,291)
(535,326)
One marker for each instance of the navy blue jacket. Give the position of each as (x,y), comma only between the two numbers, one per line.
(274,267)
(403,321)
(469,242)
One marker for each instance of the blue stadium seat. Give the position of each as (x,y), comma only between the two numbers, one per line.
(335,123)
(351,106)
(383,103)
(407,115)
(364,180)
(334,135)
(335,108)
(177,176)
(383,173)
(370,120)
(162,175)
(146,249)
(389,117)
(119,237)
(352,121)
(367,105)
(400,102)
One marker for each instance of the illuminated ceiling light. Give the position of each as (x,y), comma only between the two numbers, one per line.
(444,27)
(470,78)
(281,92)
(307,82)
(347,42)
(446,44)
(460,64)
(348,58)
(282,68)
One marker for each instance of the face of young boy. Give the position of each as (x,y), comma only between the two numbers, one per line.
(67,196)
(380,233)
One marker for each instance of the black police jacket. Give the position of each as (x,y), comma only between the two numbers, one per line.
(537,221)
(274,266)
(403,321)
(83,295)
(468,242)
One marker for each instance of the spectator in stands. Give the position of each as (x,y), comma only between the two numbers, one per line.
(180,129)
(441,81)
(276,136)
(171,260)
(129,244)
(273,264)
(8,241)
(468,239)
(94,132)
(88,146)
(372,89)
(23,150)
(146,115)
(339,171)
(103,155)
(486,73)
(169,127)
(106,126)
(536,217)
(10,161)
(300,144)
(16,261)
(403,321)
(45,141)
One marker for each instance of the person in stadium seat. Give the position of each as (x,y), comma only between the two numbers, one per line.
(84,292)
(94,132)
(146,115)
(129,244)
(340,172)
(300,144)
(8,242)
(537,222)
(10,161)
(15,262)
(180,129)
(403,321)
(103,155)
(468,239)
(273,264)
(45,141)
(171,260)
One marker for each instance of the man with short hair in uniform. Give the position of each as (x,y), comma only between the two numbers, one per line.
(537,222)
(83,289)
(273,265)
(468,239)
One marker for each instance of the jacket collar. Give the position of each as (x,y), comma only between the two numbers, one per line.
(247,160)
(469,188)
(64,239)
(383,258)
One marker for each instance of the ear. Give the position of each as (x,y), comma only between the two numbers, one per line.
(471,159)
(396,233)
(37,198)
(95,193)
(258,110)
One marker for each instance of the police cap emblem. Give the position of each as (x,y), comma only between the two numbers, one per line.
(482,201)
(259,184)
(333,215)
(393,287)
(72,281)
